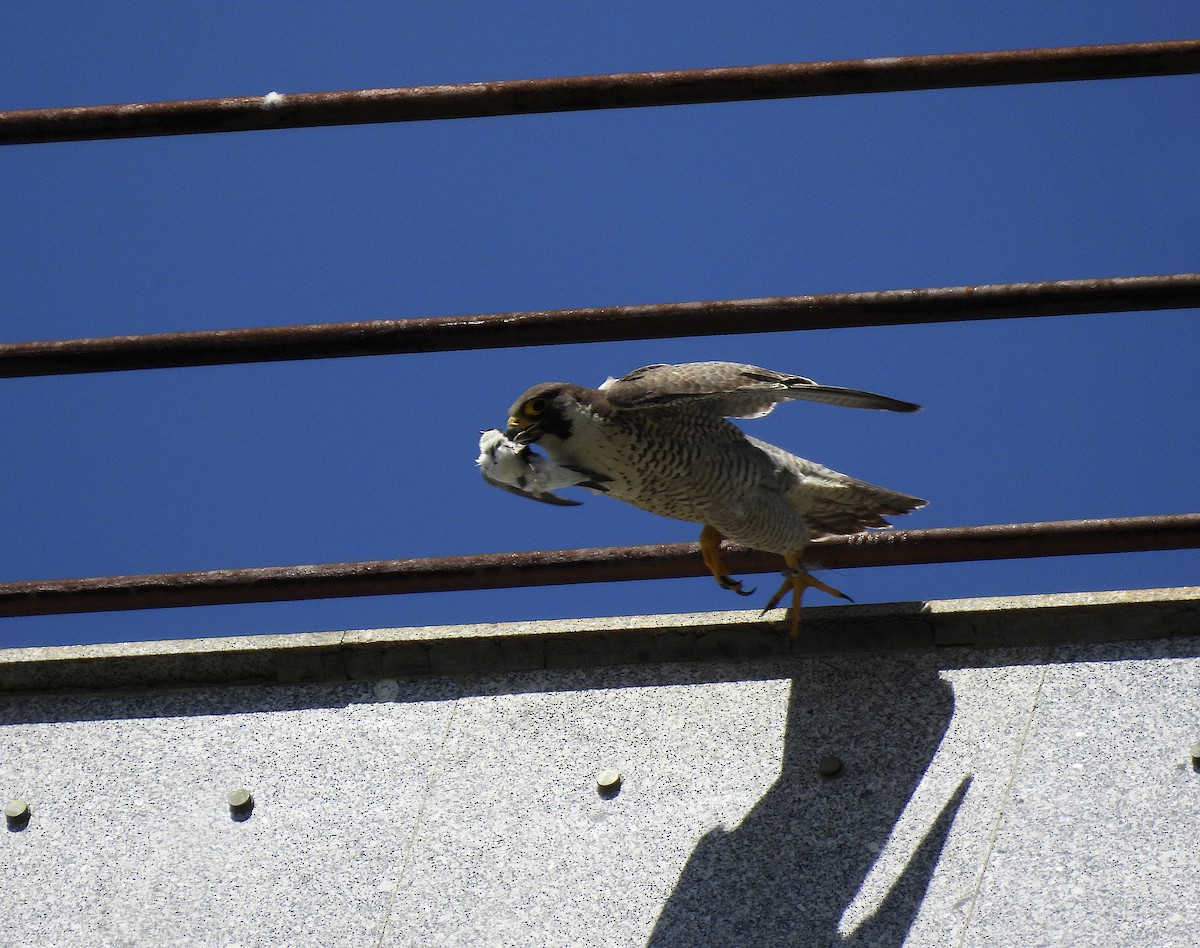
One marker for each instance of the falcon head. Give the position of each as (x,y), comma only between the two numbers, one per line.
(549,409)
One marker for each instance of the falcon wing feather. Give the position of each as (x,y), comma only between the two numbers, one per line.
(732,390)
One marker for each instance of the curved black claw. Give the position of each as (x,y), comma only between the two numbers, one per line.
(728,582)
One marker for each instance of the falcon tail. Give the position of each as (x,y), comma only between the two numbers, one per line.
(850,506)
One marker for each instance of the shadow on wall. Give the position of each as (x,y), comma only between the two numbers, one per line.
(787,873)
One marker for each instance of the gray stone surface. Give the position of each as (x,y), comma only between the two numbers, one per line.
(131,840)
(986,797)
(943,835)
(1098,840)
(519,847)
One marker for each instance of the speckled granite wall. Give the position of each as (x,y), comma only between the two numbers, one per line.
(1005,796)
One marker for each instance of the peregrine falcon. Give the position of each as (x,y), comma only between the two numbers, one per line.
(659,439)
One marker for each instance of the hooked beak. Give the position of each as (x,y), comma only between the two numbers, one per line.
(521,431)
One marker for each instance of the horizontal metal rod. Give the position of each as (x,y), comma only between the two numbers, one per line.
(609,564)
(602,323)
(618,91)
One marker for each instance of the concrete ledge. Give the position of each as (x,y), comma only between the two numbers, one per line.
(572,643)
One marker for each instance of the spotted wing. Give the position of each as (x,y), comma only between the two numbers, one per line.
(732,390)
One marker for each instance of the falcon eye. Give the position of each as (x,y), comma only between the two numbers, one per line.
(535,406)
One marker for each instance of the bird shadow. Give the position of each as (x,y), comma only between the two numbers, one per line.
(789,871)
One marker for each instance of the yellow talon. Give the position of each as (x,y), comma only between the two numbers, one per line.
(710,552)
(798,579)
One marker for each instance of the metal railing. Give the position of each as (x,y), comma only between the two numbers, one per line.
(618,91)
(779,314)
(596,565)
(599,324)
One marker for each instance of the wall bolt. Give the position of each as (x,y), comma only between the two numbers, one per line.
(16,814)
(241,803)
(829,766)
(608,783)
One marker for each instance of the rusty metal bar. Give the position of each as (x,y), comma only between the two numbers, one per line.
(611,564)
(619,91)
(603,323)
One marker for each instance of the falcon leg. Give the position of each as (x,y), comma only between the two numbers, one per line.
(798,579)
(710,551)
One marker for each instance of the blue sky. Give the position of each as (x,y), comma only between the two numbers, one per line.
(372,458)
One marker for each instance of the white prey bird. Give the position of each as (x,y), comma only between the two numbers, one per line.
(518,468)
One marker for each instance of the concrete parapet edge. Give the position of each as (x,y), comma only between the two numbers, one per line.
(1059,618)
